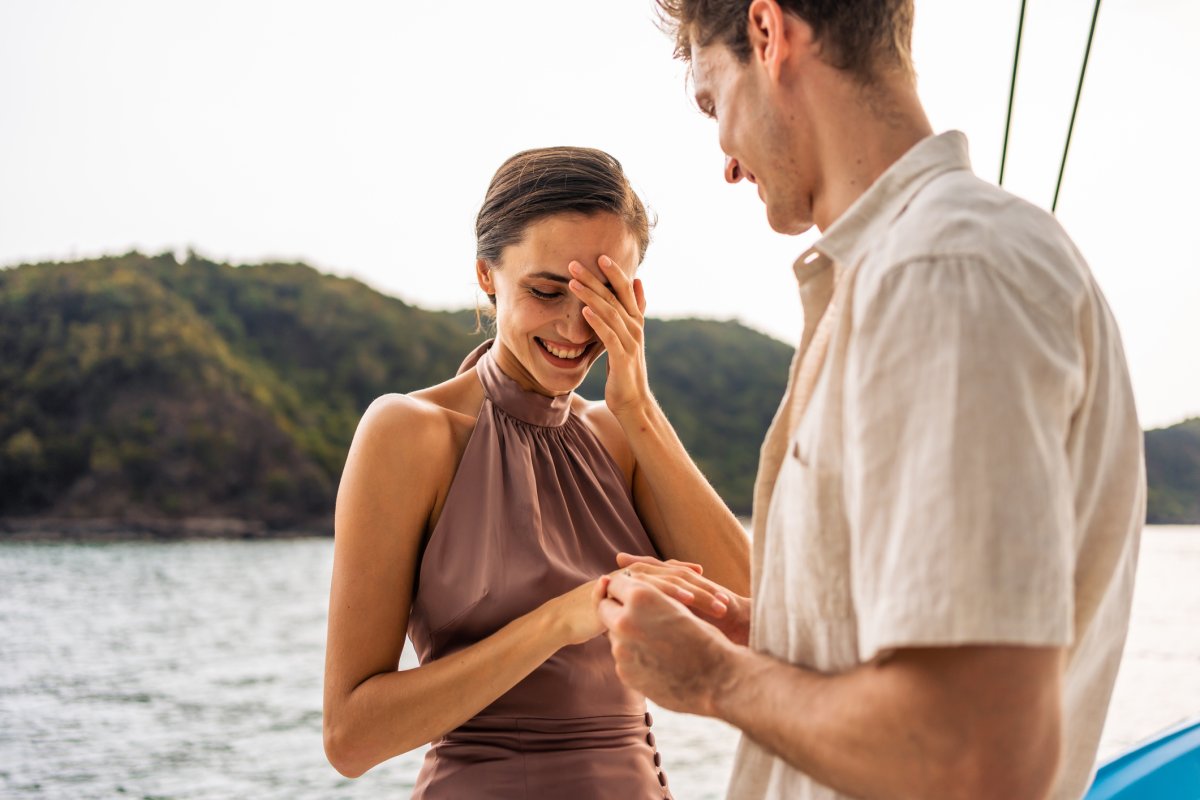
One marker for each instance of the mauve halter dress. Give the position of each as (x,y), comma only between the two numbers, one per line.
(537,507)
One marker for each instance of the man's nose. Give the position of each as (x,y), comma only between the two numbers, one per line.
(733,172)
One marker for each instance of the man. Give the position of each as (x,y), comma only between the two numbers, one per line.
(949,500)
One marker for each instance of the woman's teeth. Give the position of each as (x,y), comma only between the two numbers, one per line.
(560,352)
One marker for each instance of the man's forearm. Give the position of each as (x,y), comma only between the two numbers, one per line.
(942,723)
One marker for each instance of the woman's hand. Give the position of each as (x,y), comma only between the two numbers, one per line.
(574,613)
(617,315)
(684,581)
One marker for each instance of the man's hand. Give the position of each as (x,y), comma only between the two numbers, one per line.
(727,612)
(662,649)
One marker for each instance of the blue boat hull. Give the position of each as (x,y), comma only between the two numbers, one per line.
(1165,768)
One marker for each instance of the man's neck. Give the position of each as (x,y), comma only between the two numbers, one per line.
(870,133)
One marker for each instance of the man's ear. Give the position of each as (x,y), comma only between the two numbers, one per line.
(483,275)
(775,35)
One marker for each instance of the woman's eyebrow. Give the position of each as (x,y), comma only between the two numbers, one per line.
(554,276)
(550,276)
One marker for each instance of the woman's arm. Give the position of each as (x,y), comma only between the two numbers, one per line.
(680,509)
(401,455)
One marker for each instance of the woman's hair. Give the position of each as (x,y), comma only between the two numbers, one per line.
(536,184)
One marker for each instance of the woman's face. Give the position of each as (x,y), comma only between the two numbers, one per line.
(542,338)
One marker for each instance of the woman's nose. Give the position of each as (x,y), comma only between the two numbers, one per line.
(733,172)
(574,326)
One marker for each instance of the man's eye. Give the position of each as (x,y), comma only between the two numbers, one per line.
(544,295)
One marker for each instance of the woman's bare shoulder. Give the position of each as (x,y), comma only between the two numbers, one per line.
(427,422)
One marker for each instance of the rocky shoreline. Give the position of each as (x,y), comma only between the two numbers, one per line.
(50,529)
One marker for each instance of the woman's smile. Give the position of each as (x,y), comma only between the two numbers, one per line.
(564,354)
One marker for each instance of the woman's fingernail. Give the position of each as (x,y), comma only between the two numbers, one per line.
(574,267)
(719,607)
(724,598)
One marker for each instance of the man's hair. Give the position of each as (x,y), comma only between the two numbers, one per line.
(856,36)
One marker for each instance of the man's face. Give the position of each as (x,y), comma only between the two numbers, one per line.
(765,137)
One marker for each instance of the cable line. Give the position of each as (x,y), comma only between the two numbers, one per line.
(1012,90)
(1075,110)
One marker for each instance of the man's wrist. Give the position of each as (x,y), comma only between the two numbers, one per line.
(728,674)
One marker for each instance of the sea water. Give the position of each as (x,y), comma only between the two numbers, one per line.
(193,670)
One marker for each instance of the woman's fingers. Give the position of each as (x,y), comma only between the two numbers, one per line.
(601,589)
(682,583)
(617,295)
(608,337)
(700,600)
(639,294)
(609,313)
(625,559)
(621,285)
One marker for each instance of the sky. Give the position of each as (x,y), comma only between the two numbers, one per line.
(359,137)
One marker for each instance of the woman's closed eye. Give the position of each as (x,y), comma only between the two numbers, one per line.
(544,295)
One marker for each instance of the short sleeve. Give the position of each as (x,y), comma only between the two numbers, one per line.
(958,398)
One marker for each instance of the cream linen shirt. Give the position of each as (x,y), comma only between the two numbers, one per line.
(957,459)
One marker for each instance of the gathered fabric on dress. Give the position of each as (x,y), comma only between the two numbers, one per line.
(536,508)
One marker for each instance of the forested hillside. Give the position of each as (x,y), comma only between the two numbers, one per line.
(1173,473)
(136,386)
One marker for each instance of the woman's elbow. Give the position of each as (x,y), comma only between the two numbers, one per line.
(341,750)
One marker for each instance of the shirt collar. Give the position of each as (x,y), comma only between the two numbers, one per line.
(848,238)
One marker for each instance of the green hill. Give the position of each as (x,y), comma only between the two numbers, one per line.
(1173,473)
(137,387)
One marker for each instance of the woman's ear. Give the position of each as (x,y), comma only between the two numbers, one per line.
(483,275)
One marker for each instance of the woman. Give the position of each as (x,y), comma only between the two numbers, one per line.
(479,516)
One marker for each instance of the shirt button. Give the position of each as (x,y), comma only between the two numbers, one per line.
(649,719)
(650,739)
(662,778)
(657,759)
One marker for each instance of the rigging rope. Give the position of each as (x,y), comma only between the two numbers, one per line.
(1012,90)
(1075,110)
